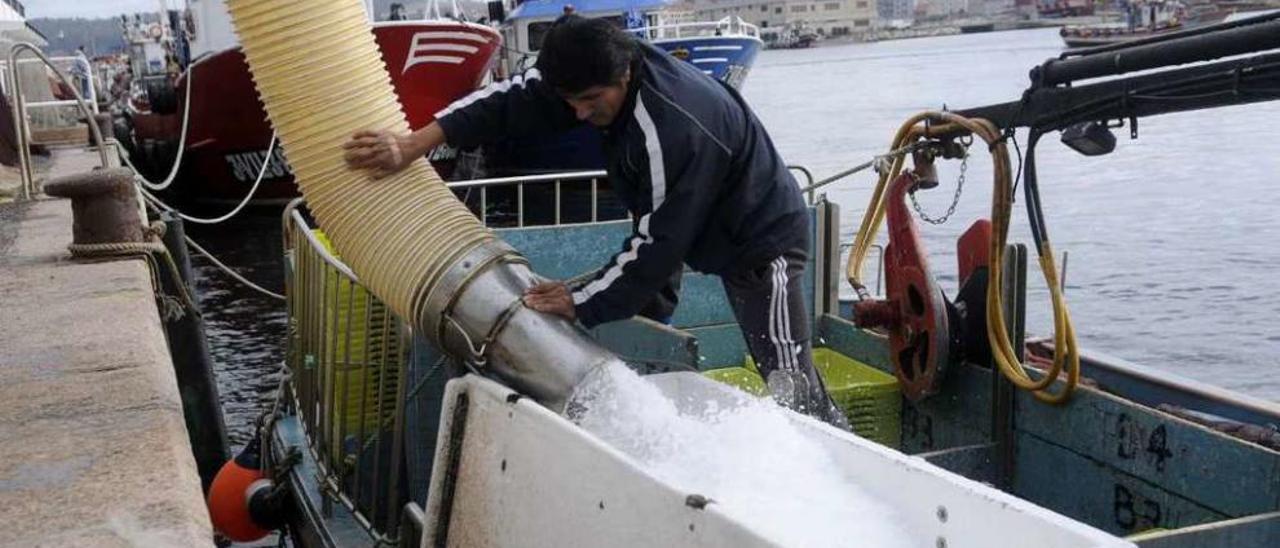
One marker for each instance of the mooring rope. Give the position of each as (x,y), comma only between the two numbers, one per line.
(171,308)
(231,272)
(182,140)
(253,190)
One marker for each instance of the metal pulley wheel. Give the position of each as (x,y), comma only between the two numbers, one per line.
(915,311)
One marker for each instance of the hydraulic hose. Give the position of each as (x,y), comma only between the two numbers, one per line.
(1066,355)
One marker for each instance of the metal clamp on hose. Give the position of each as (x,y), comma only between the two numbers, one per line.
(477,360)
(444,296)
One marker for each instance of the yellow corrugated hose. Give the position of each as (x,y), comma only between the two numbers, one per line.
(1066,355)
(322,78)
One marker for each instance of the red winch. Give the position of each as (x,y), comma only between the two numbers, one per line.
(926,331)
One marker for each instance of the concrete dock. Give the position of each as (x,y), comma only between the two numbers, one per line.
(93,447)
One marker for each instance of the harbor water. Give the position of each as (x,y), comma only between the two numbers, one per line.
(1171,238)
(246,329)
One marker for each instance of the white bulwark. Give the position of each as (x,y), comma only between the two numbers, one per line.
(13,25)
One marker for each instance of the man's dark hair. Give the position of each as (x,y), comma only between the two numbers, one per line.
(579,53)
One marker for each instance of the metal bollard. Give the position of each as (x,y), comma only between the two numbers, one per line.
(104,205)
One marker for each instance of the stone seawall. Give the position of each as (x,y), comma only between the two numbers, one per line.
(93,447)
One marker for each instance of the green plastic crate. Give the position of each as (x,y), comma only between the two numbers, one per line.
(739,377)
(868,396)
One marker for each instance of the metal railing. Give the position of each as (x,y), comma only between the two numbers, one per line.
(516,185)
(728,26)
(22,126)
(558,181)
(87,77)
(347,354)
(846,247)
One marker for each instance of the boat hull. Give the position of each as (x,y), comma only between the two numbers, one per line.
(431,64)
(725,58)
(1106,35)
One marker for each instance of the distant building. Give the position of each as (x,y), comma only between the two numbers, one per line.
(999,7)
(829,18)
(951,8)
(896,13)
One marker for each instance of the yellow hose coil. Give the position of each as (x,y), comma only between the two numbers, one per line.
(322,78)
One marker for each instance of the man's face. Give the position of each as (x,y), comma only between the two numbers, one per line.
(599,105)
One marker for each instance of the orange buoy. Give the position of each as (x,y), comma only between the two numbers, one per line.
(228,495)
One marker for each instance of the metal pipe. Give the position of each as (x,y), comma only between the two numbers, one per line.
(541,178)
(24,162)
(539,354)
(1231,82)
(808,179)
(21,125)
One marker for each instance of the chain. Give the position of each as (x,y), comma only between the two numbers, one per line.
(964,166)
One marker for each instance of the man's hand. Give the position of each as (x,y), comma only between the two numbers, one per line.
(552,298)
(382,153)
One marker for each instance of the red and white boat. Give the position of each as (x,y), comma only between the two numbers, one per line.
(432,62)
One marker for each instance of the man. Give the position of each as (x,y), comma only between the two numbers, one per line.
(80,68)
(691,162)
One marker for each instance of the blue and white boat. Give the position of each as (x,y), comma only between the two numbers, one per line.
(724,49)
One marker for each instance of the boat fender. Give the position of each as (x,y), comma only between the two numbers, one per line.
(232,489)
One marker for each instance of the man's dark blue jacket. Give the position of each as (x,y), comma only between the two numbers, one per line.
(685,154)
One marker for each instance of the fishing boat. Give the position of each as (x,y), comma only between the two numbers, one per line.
(974,433)
(1144,19)
(209,118)
(724,49)
(796,35)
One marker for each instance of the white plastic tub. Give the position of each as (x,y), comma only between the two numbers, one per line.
(508,472)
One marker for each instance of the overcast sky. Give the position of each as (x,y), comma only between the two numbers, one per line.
(91,8)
